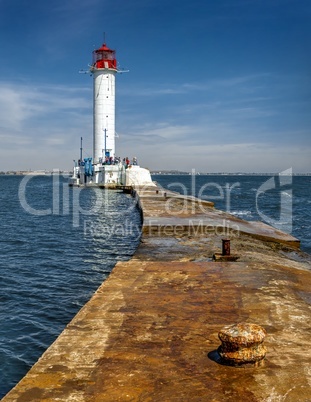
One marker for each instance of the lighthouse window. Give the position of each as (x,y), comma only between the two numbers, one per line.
(108,55)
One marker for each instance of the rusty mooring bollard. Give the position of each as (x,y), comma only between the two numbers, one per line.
(242,344)
(225,247)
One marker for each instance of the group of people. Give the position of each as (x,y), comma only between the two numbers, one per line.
(127,162)
(110,160)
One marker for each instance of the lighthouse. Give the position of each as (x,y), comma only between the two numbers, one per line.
(104,70)
(104,169)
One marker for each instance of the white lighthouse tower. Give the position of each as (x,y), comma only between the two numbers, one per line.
(104,69)
(107,171)
(104,169)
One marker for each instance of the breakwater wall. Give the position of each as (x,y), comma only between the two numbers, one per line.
(150,331)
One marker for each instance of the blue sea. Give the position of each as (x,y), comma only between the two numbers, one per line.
(60,243)
(281,201)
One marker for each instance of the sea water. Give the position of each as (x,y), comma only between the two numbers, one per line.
(280,201)
(58,244)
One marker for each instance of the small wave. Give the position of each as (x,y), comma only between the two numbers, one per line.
(242,213)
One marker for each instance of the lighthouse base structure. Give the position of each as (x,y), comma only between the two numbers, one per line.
(111,176)
(136,176)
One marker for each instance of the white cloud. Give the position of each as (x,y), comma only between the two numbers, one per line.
(42,122)
(173,148)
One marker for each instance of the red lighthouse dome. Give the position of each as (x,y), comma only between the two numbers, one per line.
(104,58)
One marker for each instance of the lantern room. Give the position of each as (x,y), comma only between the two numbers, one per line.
(104,58)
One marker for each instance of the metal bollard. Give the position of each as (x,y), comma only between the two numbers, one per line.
(225,247)
(242,343)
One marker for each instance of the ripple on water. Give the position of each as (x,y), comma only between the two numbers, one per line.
(51,268)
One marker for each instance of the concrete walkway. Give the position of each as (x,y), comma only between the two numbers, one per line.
(150,332)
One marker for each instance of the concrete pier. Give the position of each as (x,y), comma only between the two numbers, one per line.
(150,332)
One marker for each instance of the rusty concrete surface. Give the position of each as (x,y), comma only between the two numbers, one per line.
(178,214)
(150,332)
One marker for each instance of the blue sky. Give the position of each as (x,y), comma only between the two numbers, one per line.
(213,85)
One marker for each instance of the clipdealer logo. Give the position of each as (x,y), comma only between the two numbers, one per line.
(63,201)
(282,184)
(199,227)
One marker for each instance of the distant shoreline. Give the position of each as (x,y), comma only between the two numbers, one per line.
(153,172)
(34,172)
(173,173)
